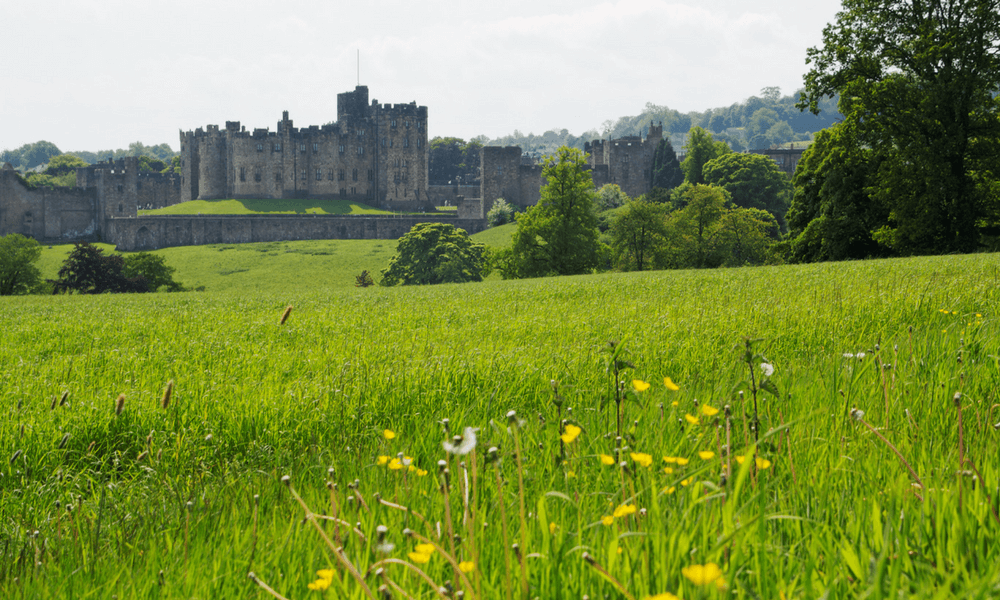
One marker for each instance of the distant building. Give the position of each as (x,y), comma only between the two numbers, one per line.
(786,158)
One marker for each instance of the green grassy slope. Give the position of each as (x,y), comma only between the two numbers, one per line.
(267,206)
(164,498)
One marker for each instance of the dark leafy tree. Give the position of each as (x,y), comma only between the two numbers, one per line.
(159,276)
(558,236)
(917,83)
(18,274)
(87,270)
(435,253)
(666,170)
(752,180)
(452,158)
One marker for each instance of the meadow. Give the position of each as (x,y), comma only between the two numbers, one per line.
(812,431)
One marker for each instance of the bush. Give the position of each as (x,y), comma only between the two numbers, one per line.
(501,213)
(435,253)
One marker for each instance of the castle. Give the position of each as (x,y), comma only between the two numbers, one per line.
(374,153)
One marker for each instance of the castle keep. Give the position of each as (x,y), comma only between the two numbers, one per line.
(374,153)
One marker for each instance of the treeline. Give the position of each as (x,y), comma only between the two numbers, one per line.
(763,121)
(35,156)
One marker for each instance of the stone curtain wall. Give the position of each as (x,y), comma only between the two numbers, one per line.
(150,233)
(47,214)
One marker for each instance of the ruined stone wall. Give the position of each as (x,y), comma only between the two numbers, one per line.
(47,214)
(149,233)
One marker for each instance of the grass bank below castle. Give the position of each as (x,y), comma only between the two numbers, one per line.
(182,501)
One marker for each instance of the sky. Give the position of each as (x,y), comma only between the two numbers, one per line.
(100,74)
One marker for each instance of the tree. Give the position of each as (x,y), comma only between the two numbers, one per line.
(558,236)
(450,158)
(611,196)
(832,215)
(752,180)
(665,172)
(87,270)
(638,236)
(153,269)
(18,274)
(701,148)
(501,213)
(917,83)
(435,253)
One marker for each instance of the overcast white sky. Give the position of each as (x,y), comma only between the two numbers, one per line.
(99,74)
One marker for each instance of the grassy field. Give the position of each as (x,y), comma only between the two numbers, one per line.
(137,497)
(274,266)
(267,207)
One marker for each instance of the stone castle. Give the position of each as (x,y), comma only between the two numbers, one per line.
(374,153)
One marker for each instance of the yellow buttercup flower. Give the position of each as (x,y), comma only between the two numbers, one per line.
(640,385)
(691,419)
(669,459)
(675,403)
(673,387)
(668,471)
(669,490)
(702,574)
(682,461)
(740,459)
(425,548)
(382,460)
(709,411)
(389,434)
(395,464)
(607,519)
(706,455)
(607,460)
(324,581)
(624,510)
(466,566)
(552,528)
(641,458)
(419,557)
(663,596)
(688,481)
(572,431)
(421,472)
(762,463)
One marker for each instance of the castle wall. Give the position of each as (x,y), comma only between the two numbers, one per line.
(157,190)
(442,195)
(149,233)
(46,214)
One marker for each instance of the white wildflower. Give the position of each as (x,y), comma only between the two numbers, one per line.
(462,444)
(767,369)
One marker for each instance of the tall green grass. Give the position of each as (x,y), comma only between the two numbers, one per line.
(835,514)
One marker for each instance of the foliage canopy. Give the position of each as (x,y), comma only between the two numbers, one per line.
(18,274)
(435,253)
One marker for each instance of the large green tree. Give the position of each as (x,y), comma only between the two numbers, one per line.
(558,236)
(701,148)
(159,276)
(666,170)
(18,274)
(752,180)
(450,158)
(87,270)
(435,253)
(833,215)
(917,81)
(638,236)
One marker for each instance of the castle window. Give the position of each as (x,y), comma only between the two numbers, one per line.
(354,191)
(393,123)
(361,150)
(260,147)
(390,143)
(329,175)
(121,188)
(406,142)
(419,143)
(354,175)
(121,208)
(406,164)
(315,148)
(319,175)
(343,191)
(277,176)
(383,141)
(243,173)
(340,175)
(302,147)
(406,124)
(277,147)
(370,175)
(256,175)
(304,175)
(341,149)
